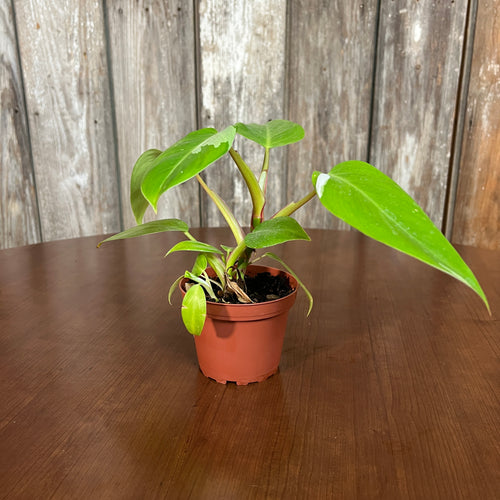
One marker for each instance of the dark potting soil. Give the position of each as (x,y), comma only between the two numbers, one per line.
(262,287)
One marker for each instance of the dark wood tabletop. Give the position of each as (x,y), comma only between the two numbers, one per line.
(389,389)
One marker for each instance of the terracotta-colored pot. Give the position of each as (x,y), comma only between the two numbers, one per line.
(242,343)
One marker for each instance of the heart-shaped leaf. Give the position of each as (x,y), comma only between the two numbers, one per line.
(186,158)
(274,231)
(155,226)
(273,134)
(193,246)
(194,309)
(371,202)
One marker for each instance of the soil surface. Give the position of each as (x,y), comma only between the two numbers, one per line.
(262,287)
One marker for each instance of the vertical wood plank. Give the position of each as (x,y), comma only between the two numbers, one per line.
(18,205)
(476,218)
(63,55)
(153,66)
(330,81)
(418,68)
(242,57)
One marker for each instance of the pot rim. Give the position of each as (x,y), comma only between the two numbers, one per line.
(214,307)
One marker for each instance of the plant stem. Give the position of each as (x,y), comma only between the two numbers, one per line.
(236,254)
(189,236)
(258,198)
(224,210)
(264,171)
(295,205)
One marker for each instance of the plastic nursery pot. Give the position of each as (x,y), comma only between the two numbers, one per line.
(242,343)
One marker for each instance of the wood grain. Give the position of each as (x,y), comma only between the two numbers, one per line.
(242,66)
(418,68)
(153,66)
(19,223)
(105,81)
(329,93)
(476,216)
(63,55)
(389,389)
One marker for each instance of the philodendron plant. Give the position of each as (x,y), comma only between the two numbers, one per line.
(354,191)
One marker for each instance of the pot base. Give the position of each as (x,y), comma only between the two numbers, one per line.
(243,381)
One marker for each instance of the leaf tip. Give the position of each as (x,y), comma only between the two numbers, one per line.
(486,303)
(309,309)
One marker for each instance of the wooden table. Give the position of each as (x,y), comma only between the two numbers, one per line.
(388,390)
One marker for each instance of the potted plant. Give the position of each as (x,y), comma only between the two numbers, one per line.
(220,306)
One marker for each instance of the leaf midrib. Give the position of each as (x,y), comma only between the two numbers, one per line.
(403,228)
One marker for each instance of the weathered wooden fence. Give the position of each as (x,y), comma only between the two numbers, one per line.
(86,85)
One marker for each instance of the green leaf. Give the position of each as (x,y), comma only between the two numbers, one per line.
(217,265)
(142,166)
(173,287)
(200,264)
(306,291)
(274,231)
(273,134)
(193,246)
(371,202)
(194,309)
(155,226)
(185,159)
